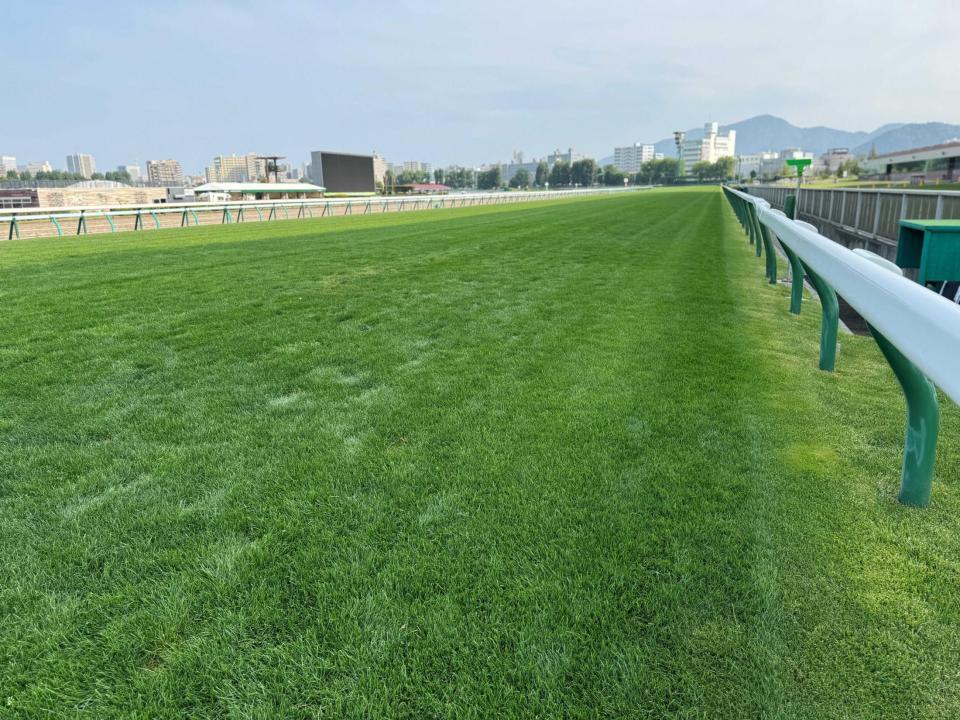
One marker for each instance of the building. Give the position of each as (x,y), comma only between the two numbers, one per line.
(833,158)
(774,167)
(922,164)
(379,169)
(508,170)
(236,168)
(568,157)
(710,148)
(35,167)
(132,171)
(81,164)
(8,163)
(164,172)
(216,192)
(751,164)
(630,157)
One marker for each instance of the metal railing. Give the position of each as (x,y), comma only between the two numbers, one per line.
(917,330)
(48,222)
(872,214)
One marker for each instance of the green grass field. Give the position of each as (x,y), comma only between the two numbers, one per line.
(565,459)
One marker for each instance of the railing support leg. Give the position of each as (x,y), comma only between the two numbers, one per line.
(923,425)
(771,255)
(829,321)
(796,281)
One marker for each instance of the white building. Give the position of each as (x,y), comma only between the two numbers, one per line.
(753,163)
(774,167)
(7,163)
(710,148)
(82,164)
(630,157)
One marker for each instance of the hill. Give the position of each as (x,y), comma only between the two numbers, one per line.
(768,132)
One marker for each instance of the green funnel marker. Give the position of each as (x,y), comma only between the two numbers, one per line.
(800,164)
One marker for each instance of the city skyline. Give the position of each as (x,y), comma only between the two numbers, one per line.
(472,88)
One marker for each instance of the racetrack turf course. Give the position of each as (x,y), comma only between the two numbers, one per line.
(564,459)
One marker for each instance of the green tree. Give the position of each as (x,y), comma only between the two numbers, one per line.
(26,175)
(724,168)
(438,176)
(96,176)
(658,172)
(489,179)
(753,175)
(583,172)
(12,175)
(701,170)
(560,174)
(520,179)
(612,176)
(542,174)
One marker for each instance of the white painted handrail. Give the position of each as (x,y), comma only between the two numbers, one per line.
(924,326)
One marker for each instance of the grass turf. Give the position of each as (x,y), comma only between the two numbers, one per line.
(565,459)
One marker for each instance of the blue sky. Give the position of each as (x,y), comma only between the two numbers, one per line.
(450,82)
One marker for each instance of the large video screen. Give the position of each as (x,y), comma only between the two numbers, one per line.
(346,173)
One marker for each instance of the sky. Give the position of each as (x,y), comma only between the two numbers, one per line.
(450,82)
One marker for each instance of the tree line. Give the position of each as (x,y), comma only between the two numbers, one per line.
(121,176)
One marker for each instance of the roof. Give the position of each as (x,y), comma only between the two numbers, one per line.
(950,144)
(255,187)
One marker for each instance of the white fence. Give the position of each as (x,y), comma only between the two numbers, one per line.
(45,222)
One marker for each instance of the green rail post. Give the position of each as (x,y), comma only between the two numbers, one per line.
(286,213)
(771,255)
(82,223)
(113,227)
(14,228)
(273,212)
(790,207)
(923,425)
(138,220)
(366,209)
(227,217)
(259,214)
(829,320)
(156,219)
(184,219)
(796,278)
(240,214)
(57,225)
(196,218)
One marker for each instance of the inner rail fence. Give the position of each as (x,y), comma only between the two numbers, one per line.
(50,222)
(917,330)
(864,217)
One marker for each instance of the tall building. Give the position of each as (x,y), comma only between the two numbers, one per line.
(236,168)
(710,148)
(631,157)
(132,170)
(81,164)
(164,172)
(7,163)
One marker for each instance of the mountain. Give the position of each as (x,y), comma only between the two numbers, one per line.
(903,137)
(768,132)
